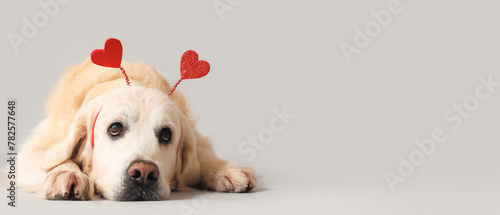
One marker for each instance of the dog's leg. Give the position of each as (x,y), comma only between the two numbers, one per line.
(67,182)
(220,175)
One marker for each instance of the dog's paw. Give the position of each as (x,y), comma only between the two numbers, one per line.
(233,178)
(68,185)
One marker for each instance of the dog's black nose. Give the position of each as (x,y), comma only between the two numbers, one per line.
(144,173)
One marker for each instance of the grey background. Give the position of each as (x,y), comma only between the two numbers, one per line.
(353,120)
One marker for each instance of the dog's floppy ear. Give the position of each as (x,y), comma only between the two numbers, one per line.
(76,144)
(188,168)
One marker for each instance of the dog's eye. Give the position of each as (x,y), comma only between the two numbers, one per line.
(165,135)
(115,129)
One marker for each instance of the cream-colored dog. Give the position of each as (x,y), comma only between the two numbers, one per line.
(123,142)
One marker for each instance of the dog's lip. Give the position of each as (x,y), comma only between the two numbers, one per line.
(143,197)
(131,191)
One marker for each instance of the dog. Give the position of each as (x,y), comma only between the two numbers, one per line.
(104,139)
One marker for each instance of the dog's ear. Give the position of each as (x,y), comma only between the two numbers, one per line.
(188,168)
(75,145)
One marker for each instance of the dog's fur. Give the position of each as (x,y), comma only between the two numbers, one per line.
(59,161)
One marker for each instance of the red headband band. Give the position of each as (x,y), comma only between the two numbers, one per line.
(93,127)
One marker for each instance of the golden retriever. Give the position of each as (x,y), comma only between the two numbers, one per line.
(102,138)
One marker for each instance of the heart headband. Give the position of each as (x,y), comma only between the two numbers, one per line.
(111,56)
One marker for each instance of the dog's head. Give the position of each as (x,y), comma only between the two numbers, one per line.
(134,143)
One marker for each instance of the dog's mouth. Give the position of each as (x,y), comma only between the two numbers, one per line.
(133,191)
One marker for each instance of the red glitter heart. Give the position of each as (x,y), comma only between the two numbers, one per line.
(110,56)
(191,67)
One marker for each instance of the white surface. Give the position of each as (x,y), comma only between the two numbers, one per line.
(353,120)
(283,197)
